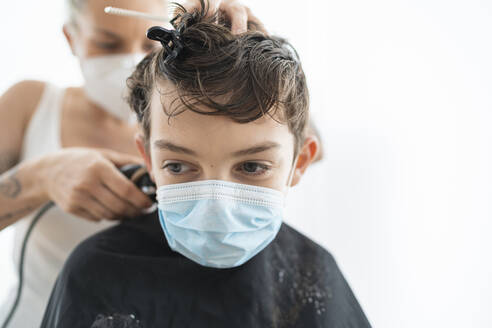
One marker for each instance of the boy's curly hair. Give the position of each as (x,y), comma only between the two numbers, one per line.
(243,77)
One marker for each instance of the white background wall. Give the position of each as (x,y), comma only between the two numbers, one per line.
(402,93)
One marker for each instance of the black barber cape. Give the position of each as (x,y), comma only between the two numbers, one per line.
(127,276)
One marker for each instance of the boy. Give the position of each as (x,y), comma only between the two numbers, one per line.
(223,122)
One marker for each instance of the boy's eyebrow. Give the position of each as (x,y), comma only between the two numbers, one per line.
(256,149)
(166,145)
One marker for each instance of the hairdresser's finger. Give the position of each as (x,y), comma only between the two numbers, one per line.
(83,213)
(82,204)
(97,209)
(257,24)
(238,16)
(120,159)
(122,187)
(115,204)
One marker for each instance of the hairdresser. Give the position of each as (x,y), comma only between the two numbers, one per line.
(66,145)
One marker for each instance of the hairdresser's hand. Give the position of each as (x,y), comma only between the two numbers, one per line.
(237,13)
(87,183)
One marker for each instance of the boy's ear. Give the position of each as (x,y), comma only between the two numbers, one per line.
(145,153)
(307,155)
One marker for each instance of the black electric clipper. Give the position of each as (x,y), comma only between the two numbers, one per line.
(141,178)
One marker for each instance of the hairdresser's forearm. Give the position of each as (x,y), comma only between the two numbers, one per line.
(21,191)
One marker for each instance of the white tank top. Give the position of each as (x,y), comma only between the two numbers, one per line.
(56,233)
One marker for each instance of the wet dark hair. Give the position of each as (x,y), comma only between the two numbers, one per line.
(243,77)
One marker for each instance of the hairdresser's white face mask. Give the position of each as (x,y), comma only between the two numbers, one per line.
(105,82)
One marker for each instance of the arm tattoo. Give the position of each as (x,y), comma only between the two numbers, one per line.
(10,186)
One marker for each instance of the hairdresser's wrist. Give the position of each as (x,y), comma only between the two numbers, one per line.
(40,173)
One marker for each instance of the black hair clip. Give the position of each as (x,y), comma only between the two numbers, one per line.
(170,40)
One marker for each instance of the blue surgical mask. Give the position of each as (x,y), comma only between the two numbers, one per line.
(219,224)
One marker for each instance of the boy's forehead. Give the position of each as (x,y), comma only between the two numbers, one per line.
(195,128)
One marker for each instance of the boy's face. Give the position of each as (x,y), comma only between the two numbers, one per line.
(190,147)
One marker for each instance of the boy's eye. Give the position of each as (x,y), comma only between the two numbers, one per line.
(253,168)
(177,168)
